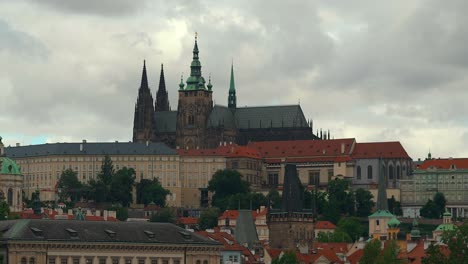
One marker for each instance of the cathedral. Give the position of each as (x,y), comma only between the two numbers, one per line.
(198,123)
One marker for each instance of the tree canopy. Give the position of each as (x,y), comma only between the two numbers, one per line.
(151,191)
(434,208)
(225,183)
(165,215)
(286,258)
(371,252)
(364,203)
(208,218)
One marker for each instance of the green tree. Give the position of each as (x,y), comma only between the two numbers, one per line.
(390,254)
(286,258)
(457,242)
(338,195)
(208,218)
(274,199)
(4,210)
(70,186)
(122,185)
(107,171)
(121,212)
(151,191)
(332,213)
(371,252)
(165,215)
(244,201)
(430,210)
(440,202)
(394,206)
(434,256)
(337,236)
(351,226)
(364,203)
(225,183)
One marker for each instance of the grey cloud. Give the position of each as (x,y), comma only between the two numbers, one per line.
(21,43)
(101,7)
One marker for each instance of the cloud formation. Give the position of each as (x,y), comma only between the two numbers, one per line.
(374,71)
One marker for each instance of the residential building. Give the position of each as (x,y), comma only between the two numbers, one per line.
(448,176)
(228,221)
(324,227)
(57,241)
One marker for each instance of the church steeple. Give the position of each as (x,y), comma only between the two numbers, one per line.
(232,99)
(162,98)
(143,122)
(382,204)
(196,80)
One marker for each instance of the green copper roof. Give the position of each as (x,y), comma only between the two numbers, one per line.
(445,227)
(381,213)
(195,81)
(447,214)
(8,166)
(232,86)
(393,222)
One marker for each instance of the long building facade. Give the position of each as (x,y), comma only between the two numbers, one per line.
(199,123)
(56,241)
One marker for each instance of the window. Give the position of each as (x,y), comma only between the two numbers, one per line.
(398,172)
(89,260)
(51,260)
(314,178)
(115,261)
(154,261)
(377,222)
(102,260)
(205,262)
(369,172)
(176,261)
(358,172)
(128,261)
(76,261)
(165,261)
(390,172)
(63,261)
(273,178)
(32,260)
(141,261)
(23,261)
(191,120)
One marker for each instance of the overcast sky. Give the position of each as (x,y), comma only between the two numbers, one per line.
(372,70)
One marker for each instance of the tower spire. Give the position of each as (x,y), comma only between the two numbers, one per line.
(144,78)
(162,99)
(382,190)
(195,80)
(232,99)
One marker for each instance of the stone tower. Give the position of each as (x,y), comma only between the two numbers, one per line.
(143,121)
(162,98)
(194,107)
(291,226)
(232,99)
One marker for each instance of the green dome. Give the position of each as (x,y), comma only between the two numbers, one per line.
(393,222)
(447,214)
(8,166)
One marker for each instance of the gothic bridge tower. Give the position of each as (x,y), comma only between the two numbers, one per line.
(194,107)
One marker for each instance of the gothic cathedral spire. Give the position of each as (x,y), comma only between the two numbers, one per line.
(143,122)
(232,99)
(162,99)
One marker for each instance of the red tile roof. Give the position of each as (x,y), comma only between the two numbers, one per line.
(324,225)
(355,257)
(188,220)
(374,150)
(229,243)
(230,151)
(461,163)
(233,214)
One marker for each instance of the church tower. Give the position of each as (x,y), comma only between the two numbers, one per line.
(143,121)
(162,98)
(232,100)
(194,107)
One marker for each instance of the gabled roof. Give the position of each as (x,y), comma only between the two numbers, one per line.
(355,257)
(102,148)
(459,163)
(270,116)
(326,149)
(375,150)
(165,121)
(324,225)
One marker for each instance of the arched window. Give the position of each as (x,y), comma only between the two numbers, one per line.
(390,172)
(369,172)
(10,197)
(32,260)
(358,172)
(23,261)
(191,120)
(198,262)
(205,262)
(398,172)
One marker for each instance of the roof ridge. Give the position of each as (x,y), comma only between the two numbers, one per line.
(262,106)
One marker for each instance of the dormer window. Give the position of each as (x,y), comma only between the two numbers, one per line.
(453,167)
(149,234)
(110,233)
(73,233)
(186,235)
(37,232)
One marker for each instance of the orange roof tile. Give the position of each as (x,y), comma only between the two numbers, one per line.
(304,148)
(188,220)
(374,150)
(459,163)
(355,257)
(324,225)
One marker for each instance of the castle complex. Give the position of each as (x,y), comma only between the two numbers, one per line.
(199,123)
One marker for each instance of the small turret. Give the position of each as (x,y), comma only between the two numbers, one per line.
(2,148)
(210,86)
(181,84)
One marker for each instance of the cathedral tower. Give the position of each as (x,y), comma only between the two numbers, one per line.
(232,100)
(194,107)
(143,121)
(162,99)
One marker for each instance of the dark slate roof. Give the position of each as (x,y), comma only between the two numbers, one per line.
(116,148)
(166,121)
(270,116)
(245,232)
(221,116)
(90,231)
